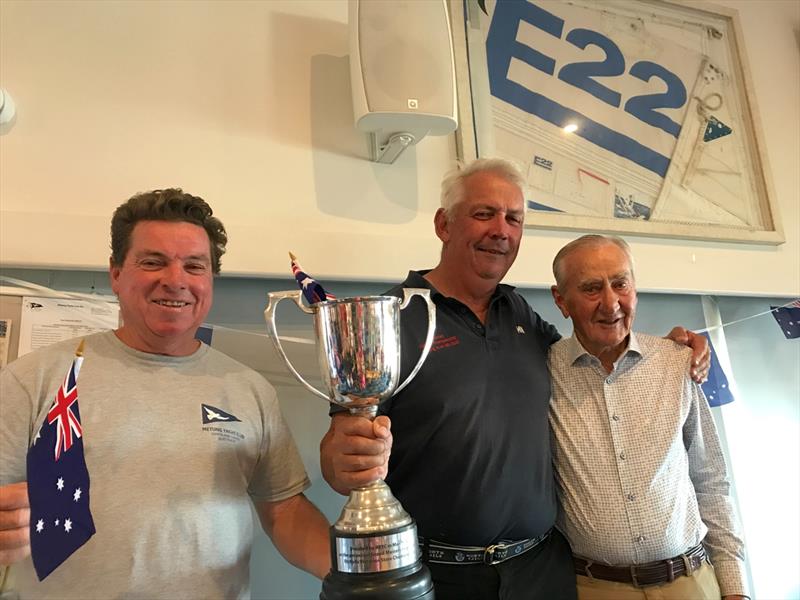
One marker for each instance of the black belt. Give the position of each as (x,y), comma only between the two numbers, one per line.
(448,554)
(652,573)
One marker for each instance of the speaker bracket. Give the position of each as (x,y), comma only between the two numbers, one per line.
(394,147)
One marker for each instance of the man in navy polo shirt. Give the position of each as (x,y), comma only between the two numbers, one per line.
(472,461)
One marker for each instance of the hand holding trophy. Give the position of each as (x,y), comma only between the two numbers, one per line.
(374,548)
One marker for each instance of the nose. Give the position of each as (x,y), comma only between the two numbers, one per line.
(173,276)
(609,300)
(500,229)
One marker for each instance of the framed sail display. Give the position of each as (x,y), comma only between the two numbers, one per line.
(626,116)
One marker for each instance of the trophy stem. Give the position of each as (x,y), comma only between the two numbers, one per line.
(372,509)
(368,412)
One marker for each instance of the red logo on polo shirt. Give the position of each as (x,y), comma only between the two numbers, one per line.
(442,341)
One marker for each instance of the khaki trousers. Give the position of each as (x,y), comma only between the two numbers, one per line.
(700,585)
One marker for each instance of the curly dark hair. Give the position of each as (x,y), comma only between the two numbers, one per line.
(172,204)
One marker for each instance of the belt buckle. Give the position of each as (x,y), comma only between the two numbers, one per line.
(634,580)
(488,553)
(587,569)
(687,565)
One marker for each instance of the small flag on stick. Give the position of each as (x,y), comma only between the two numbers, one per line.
(716,388)
(58,480)
(788,318)
(312,291)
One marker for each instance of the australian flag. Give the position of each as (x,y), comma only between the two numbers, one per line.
(58,481)
(788,317)
(716,388)
(312,291)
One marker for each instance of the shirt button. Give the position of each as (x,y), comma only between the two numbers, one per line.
(622,455)
(631,497)
(640,538)
(608,380)
(615,418)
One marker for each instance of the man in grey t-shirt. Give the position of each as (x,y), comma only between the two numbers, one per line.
(171,489)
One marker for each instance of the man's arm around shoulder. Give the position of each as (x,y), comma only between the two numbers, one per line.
(701,353)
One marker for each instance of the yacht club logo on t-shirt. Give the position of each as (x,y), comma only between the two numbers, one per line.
(215,420)
(212,414)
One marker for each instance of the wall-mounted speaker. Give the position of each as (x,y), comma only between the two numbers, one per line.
(402,69)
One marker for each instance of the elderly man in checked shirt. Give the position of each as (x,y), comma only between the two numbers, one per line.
(645,497)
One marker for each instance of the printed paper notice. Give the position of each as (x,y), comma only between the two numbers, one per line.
(5,340)
(45,321)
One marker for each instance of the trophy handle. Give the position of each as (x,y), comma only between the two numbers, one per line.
(409,293)
(269,316)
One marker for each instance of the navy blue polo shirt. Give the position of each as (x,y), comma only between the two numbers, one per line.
(471,457)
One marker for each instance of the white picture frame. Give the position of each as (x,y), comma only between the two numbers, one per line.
(669,171)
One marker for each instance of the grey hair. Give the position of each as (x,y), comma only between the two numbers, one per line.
(591,240)
(453,187)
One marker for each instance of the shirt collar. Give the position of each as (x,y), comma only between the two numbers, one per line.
(417,279)
(575,349)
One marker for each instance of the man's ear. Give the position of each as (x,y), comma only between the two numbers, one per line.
(113,275)
(442,225)
(559,300)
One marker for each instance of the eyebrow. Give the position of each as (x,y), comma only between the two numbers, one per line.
(495,208)
(587,282)
(595,280)
(158,254)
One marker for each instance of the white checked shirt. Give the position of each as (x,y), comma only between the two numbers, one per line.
(640,471)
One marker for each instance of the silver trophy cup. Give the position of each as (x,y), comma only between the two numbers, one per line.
(374,546)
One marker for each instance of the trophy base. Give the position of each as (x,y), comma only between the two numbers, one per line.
(375,551)
(408,583)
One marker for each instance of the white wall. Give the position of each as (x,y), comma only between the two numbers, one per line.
(244,103)
(248,105)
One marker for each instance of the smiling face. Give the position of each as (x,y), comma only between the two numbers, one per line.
(598,293)
(482,237)
(164,286)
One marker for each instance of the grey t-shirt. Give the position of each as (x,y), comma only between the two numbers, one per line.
(171,489)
